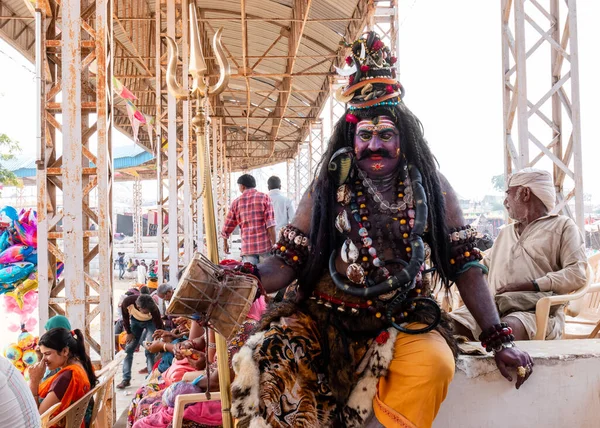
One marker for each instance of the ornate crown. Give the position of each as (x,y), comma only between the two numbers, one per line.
(371,76)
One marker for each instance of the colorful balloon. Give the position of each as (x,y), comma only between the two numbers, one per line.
(16,253)
(20,365)
(26,233)
(26,340)
(21,290)
(15,272)
(30,357)
(10,212)
(13,352)
(4,240)
(26,374)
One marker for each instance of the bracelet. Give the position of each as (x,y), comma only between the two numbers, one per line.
(212,345)
(164,347)
(504,346)
(463,250)
(469,265)
(292,247)
(536,286)
(493,337)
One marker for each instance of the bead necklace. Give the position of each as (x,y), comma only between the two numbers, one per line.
(385,206)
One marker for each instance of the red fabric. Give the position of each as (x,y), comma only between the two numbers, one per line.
(253,212)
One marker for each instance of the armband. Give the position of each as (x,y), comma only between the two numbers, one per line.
(292,247)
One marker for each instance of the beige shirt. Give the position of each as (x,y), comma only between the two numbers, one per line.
(550,250)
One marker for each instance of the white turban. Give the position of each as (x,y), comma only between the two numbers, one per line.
(538,181)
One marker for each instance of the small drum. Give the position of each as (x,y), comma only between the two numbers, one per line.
(210,293)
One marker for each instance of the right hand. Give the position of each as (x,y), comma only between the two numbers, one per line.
(180,347)
(226,246)
(130,338)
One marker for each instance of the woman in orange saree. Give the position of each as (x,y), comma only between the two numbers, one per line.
(65,350)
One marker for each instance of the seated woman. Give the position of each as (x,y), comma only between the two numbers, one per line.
(204,414)
(147,395)
(64,350)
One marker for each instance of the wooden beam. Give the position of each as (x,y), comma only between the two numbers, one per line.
(300,10)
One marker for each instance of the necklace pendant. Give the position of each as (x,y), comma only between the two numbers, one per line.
(349,252)
(342,222)
(343,195)
(356,273)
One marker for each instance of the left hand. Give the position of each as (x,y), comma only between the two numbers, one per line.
(514,358)
(516,286)
(36,372)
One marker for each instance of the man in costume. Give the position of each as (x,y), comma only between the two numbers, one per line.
(360,342)
(538,255)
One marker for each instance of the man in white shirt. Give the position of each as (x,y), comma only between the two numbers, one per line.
(141,274)
(283,206)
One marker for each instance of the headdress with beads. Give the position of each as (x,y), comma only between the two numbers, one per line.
(371,77)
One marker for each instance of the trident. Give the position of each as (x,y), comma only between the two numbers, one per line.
(199,92)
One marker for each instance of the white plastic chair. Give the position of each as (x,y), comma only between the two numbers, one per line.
(542,308)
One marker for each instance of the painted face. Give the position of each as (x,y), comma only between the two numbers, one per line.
(53,358)
(377,146)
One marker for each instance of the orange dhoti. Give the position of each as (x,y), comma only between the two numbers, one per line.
(417,381)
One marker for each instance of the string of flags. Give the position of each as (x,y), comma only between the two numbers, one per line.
(136,117)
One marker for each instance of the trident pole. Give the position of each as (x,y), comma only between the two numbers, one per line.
(199,94)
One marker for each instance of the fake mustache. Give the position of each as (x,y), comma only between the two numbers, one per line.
(382,152)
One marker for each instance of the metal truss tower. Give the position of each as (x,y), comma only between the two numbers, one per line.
(74,166)
(543,114)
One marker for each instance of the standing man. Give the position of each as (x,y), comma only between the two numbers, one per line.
(283,207)
(253,212)
(139,313)
(141,273)
(121,261)
(538,255)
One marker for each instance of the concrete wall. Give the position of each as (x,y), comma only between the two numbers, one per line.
(563,391)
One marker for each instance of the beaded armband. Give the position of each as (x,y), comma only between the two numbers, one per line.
(463,253)
(496,337)
(292,247)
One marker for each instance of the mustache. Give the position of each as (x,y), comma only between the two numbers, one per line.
(382,152)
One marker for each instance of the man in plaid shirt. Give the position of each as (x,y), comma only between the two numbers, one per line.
(253,212)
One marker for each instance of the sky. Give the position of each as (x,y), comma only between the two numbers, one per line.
(450,65)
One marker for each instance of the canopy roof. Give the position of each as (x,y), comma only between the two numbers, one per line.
(282,55)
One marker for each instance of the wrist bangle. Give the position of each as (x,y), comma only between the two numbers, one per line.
(164,347)
(504,346)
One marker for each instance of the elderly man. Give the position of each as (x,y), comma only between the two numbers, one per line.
(540,254)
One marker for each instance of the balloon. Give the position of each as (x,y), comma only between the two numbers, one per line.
(16,271)
(27,234)
(16,253)
(32,258)
(13,352)
(10,212)
(60,266)
(19,365)
(21,290)
(26,340)
(30,357)
(4,240)
(26,374)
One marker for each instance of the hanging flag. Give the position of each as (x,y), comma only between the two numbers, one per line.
(150,129)
(121,90)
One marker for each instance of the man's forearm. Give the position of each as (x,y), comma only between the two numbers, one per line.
(271,232)
(476,295)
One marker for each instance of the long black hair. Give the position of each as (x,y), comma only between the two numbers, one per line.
(323,235)
(61,338)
